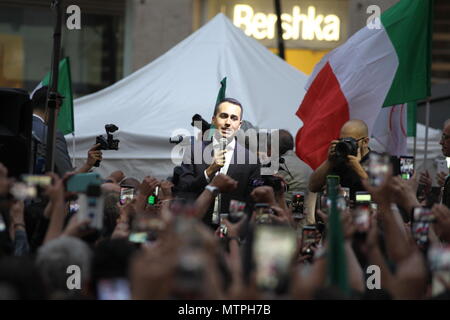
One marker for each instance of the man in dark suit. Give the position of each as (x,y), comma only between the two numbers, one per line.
(62,159)
(227,157)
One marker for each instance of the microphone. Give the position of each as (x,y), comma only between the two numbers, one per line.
(223,142)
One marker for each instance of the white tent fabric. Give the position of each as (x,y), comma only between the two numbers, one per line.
(152,103)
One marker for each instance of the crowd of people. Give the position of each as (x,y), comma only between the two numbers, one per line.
(221,230)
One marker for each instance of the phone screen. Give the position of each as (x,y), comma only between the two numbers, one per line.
(420,226)
(37,180)
(273,250)
(363,197)
(152,199)
(406,167)
(126,194)
(310,236)
(298,203)
(361,217)
(441,165)
(378,167)
(113,289)
(263,213)
(138,237)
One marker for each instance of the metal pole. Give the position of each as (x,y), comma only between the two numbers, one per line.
(279,30)
(427,125)
(53,88)
(73,149)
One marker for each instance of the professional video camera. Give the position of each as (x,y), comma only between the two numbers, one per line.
(205,125)
(108,143)
(346,147)
(198,122)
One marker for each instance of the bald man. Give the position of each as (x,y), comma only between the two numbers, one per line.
(350,170)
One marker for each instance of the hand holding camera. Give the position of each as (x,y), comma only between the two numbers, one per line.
(332,151)
(94,155)
(108,143)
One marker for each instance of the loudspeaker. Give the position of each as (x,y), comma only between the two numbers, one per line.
(16,114)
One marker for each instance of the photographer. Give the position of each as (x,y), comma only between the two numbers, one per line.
(62,159)
(345,158)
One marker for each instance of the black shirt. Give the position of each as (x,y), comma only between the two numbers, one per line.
(349,178)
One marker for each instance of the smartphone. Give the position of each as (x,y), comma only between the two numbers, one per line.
(223,227)
(420,225)
(298,203)
(153,199)
(310,236)
(91,206)
(362,196)
(126,194)
(406,167)
(237,210)
(113,289)
(37,180)
(361,217)
(377,168)
(30,186)
(263,213)
(81,181)
(345,192)
(138,237)
(273,251)
(441,165)
(439,262)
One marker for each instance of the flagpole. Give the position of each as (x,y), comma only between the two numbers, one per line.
(280,41)
(415,149)
(73,149)
(427,125)
(52,95)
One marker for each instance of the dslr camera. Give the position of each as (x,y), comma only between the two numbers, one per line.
(346,147)
(108,143)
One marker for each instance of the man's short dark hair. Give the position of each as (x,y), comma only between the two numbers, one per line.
(39,98)
(286,141)
(229,100)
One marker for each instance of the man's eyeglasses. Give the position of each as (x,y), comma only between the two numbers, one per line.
(445,136)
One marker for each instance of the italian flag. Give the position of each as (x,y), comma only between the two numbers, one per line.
(375,68)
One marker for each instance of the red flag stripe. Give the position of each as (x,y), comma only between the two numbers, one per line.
(323,111)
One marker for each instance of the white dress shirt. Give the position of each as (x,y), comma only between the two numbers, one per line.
(228,156)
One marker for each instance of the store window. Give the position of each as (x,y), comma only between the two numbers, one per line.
(95,51)
(311,28)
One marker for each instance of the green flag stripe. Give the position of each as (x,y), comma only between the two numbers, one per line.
(409,26)
(65,122)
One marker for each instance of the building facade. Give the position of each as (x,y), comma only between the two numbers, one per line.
(118,37)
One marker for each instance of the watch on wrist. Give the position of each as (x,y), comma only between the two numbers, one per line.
(213,190)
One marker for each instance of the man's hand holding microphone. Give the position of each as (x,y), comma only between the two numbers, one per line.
(219,158)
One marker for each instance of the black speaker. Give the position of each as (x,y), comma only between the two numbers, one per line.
(16,114)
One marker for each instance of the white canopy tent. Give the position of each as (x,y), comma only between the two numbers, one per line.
(155,102)
(434,148)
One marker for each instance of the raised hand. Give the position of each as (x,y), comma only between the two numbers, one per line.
(224,183)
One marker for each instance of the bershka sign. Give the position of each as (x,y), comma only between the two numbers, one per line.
(314,24)
(308,26)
